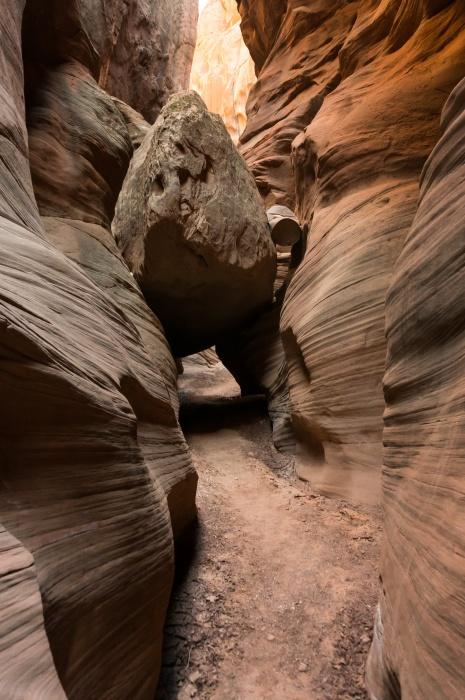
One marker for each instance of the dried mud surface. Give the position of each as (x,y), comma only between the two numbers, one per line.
(279,597)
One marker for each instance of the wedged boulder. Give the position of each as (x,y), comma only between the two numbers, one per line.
(419,636)
(192,228)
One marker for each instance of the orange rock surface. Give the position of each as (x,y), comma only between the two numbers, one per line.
(223,71)
(356,91)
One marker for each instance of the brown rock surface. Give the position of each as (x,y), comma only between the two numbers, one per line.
(75,128)
(137,126)
(192,228)
(222,70)
(86,428)
(254,353)
(140,52)
(357,167)
(26,669)
(295,46)
(151,56)
(418,647)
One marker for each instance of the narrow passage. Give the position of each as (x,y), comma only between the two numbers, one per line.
(279,597)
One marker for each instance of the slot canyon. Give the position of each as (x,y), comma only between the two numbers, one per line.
(232,349)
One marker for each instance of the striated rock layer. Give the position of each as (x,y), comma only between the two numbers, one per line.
(368,80)
(74,128)
(192,228)
(222,70)
(90,445)
(420,628)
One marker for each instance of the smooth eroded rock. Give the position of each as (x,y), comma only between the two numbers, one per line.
(418,645)
(89,438)
(192,228)
(357,89)
(222,70)
(75,127)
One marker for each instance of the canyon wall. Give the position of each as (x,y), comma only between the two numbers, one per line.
(385,255)
(222,70)
(138,51)
(95,473)
(420,626)
(343,137)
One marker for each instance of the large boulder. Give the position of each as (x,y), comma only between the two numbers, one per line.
(192,228)
(419,636)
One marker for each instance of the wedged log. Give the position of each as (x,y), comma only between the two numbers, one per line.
(418,646)
(357,170)
(192,228)
(75,128)
(77,491)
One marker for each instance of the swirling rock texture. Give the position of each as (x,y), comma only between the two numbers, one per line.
(418,645)
(369,79)
(75,130)
(201,250)
(90,445)
(222,70)
(137,125)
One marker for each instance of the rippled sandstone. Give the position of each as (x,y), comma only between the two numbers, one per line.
(93,463)
(359,142)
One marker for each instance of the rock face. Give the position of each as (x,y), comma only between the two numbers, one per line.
(92,459)
(192,228)
(418,646)
(222,70)
(254,353)
(32,674)
(357,166)
(151,56)
(74,128)
(139,51)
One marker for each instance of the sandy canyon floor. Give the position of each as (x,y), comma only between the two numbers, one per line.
(278,599)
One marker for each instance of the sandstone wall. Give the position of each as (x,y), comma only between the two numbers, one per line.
(137,50)
(420,627)
(367,81)
(222,70)
(91,455)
